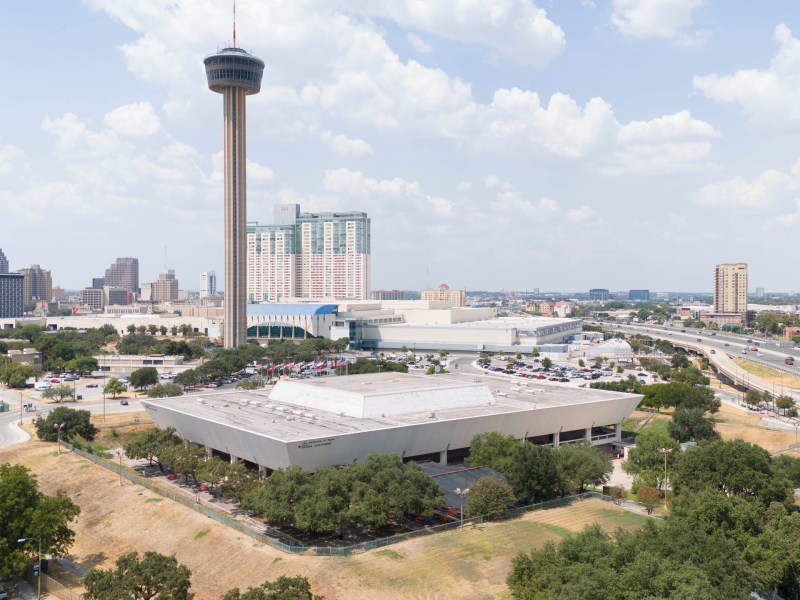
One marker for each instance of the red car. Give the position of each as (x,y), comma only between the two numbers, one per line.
(55,381)
(92,385)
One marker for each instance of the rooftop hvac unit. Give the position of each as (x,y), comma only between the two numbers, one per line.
(268,406)
(503,394)
(432,415)
(226,405)
(308,415)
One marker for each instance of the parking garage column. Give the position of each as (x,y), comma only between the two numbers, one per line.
(589,435)
(209,452)
(556,439)
(234,459)
(618,432)
(443,457)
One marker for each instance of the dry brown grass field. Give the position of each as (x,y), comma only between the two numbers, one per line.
(469,564)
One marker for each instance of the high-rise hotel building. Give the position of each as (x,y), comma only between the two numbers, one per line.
(730,288)
(309,255)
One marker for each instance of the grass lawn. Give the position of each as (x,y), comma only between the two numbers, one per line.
(769,375)
(463,564)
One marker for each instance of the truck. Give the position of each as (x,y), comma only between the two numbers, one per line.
(789,360)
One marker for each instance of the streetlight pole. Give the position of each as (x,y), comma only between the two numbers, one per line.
(39,573)
(58,429)
(20,409)
(461,495)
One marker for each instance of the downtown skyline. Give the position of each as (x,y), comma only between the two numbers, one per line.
(575,144)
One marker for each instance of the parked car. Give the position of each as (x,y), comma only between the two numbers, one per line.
(123,402)
(92,385)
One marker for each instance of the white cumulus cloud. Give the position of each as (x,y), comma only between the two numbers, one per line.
(418,43)
(770,95)
(739,192)
(583,214)
(665,19)
(343,145)
(136,120)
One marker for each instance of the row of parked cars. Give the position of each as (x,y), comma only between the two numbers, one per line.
(555,373)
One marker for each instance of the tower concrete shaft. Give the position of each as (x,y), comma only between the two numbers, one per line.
(235,74)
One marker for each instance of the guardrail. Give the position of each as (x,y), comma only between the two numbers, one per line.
(298,548)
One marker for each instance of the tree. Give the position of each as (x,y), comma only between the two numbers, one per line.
(187,379)
(489,497)
(598,362)
(547,363)
(58,393)
(753,398)
(491,449)
(691,424)
(152,329)
(174,330)
(163,330)
(646,461)
(785,403)
(213,470)
(114,387)
(72,423)
(649,497)
(580,465)
(154,576)
(27,514)
(15,375)
(182,460)
(253,383)
(164,390)
(534,353)
(618,494)
(581,363)
(131,328)
(284,588)
(144,377)
(151,443)
(735,468)
(81,364)
(679,361)
(532,472)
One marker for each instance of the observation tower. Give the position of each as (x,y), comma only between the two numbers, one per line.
(235,74)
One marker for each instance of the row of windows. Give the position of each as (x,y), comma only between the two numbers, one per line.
(233,74)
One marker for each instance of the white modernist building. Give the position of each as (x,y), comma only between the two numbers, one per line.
(338,420)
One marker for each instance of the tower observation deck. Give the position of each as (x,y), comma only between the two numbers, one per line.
(235,74)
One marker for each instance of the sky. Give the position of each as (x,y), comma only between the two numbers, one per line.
(516,144)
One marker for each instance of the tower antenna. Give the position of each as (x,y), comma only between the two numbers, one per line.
(234,23)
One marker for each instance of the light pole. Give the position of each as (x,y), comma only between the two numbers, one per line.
(58,427)
(119,453)
(20,409)
(461,495)
(39,565)
(666,452)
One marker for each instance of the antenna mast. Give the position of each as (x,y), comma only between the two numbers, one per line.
(234,23)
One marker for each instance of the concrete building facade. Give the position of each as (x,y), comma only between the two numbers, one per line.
(93,298)
(124,274)
(339,420)
(165,288)
(12,302)
(235,74)
(639,295)
(309,256)
(598,294)
(730,288)
(37,285)
(445,294)
(387,295)
(208,284)
(3,263)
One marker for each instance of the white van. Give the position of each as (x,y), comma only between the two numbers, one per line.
(41,386)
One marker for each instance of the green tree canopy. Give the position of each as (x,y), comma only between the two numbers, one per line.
(73,423)
(646,460)
(114,387)
(488,497)
(580,465)
(27,514)
(58,393)
(164,390)
(284,588)
(149,443)
(144,377)
(153,577)
(691,424)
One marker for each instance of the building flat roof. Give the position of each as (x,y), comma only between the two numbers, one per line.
(263,413)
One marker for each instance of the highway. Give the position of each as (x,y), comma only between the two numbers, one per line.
(721,349)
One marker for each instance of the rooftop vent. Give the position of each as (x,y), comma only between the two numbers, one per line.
(432,415)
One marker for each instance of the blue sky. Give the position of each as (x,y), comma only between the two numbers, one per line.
(562,145)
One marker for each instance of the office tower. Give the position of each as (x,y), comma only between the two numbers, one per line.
(730,288)
(146,292)
(3,263)
(208,284)
(309,255)
(760,292)
(37,285)
(639,295)
(599,294)
(123,274)
(114,296)
(165,288)
(98,282)
(235,74)
(11,295)
(92,297)
(387,295)
(445,294)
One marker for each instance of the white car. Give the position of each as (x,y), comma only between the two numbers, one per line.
(41,386)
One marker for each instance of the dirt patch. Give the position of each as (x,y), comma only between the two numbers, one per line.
(460,564)
(735,424)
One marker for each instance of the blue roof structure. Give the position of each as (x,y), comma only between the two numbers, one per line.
(266,310)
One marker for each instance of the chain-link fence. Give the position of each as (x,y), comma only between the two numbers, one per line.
(299,548)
